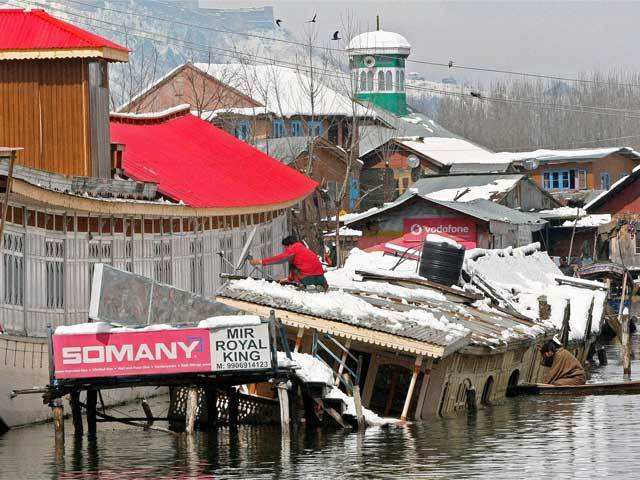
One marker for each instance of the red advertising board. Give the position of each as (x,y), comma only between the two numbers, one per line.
(459,229)
(132,353)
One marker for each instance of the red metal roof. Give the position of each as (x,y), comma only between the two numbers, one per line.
(204,166)
(37,30)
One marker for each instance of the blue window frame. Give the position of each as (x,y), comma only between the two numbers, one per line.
(315,128)
(296,128)
(605,181)
(242,130)
(559,180)
(278,128)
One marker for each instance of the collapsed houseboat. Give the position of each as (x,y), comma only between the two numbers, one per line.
(430,349)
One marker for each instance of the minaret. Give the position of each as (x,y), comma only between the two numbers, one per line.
(377,67)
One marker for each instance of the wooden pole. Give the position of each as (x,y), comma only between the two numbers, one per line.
(357,400)
(299,337)
(565,324)
(5,204)
(573,233)
(57,411)
(147,412)
(412,386)
(92,402)
(233,408)
(423,390)
(283,399)
(76,413)
(211,398)
(192,407)
(626,344)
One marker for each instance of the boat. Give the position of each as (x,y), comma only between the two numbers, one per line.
(612,388)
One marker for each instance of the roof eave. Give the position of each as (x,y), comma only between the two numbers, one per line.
(108,53)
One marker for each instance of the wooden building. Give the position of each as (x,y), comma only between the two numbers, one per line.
(54,93)
(565,171)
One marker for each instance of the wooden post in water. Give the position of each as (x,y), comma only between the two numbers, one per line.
(233,408)
(76,413)
(283,399)
(211,399)
(357,401)
(92,402)
(57,410)
(423,389)
(192,407)
(412,386)
(626,344)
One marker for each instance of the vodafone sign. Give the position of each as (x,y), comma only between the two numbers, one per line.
(161,352)
(459,229)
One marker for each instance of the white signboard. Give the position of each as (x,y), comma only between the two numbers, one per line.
(243,347)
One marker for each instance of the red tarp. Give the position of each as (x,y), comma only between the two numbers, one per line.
(204,166)
(37,30)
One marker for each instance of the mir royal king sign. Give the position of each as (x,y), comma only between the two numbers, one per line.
(162,352)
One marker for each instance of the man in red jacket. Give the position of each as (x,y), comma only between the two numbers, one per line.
(306,263)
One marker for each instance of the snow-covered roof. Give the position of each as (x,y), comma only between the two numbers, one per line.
(379,41)
(448,151)
(577,154)
(520,275)
(492,190)
(345,232)
(283,91)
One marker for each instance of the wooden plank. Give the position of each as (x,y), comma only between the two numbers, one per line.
(615,388)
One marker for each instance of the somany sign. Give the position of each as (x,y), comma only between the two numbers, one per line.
(162,352)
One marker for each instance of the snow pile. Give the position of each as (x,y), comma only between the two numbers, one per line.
(466,194)
(345,307)
(345,232)
(311,369)
(185,107)
(226,321)
(448,151)
(378,263)
(521,275)
(433,237)
(589,221)
(96,328)
(562,212)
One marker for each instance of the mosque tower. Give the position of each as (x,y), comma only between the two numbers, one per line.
(377,63)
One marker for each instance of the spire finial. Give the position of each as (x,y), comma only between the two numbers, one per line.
(377,22)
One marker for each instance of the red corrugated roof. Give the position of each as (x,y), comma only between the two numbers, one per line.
(204,166)
(37,30)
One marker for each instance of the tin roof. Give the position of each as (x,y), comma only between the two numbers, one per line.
(33,34)
(203,166)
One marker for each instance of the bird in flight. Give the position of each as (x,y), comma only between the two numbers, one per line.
(278,22)
(450,63)
(336,35)
(313,20)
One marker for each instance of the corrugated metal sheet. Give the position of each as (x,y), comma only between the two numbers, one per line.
(488,210)
(37,30)
(204,166)
(431,184)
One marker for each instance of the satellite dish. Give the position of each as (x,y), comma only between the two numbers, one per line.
(413,161)
(369,61)
(244,253)
(530,164)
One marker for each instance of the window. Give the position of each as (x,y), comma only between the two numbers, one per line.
(401,81)
(278,128)
(13,271)
(363,81)
(389,80)
(54,273)
(582,180)
(370,80)
(315,128)
(99,252)
(560,180)
(605,181)
(398,81)
(242,130)
(296,128)
(381,85)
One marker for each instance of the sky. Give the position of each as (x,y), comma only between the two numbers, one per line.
(565,38)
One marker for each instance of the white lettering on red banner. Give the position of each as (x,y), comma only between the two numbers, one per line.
(459,229)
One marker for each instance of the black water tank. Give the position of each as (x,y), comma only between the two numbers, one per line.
(441,262)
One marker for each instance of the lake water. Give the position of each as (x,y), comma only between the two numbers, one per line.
(582,437)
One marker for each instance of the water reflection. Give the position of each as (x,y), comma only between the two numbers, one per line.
(578,437)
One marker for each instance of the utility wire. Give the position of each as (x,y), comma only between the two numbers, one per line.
(198,47)
(448,65)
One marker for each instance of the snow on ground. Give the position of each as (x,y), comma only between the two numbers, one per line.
(225,321)
(311,369)
(341,305)
(466,194)
(524,274)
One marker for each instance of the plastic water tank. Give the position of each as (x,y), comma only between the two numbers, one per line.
(441,262)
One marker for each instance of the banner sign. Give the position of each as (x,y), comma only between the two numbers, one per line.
(459,229)
(161,352)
